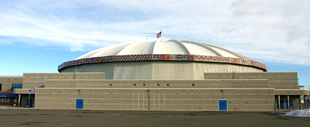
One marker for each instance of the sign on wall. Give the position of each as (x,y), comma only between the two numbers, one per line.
(32,91)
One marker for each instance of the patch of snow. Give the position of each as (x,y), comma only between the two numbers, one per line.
(300,113)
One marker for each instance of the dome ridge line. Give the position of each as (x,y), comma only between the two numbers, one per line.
(128,46)
(90,53)
(236,54)
(181,45)
(199,44)
(154,46)
(122,49)
(97,54)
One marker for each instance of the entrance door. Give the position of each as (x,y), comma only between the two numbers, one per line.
(79,104)
(31,102)
(223,105)
(282,104)
(291,104)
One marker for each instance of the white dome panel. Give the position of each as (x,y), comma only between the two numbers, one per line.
(90,54)
(224,53)
(198,50)
(142,47)
(111,50)
(162,47)
(168,47)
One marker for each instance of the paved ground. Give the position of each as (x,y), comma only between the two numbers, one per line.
(80,118)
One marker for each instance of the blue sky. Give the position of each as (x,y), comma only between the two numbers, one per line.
(37,36)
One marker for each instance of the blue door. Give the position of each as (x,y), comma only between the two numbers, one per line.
(223,105)
(79,104)
(282,104)
(291,104)
(31,102)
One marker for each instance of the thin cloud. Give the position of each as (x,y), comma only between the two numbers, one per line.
(265,30)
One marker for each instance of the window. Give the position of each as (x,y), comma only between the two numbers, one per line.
(8,100)
(193,84)
(16,86)
(0,87)
(158,84)
(167,84)
(110,84)
(143,84)
(134,84)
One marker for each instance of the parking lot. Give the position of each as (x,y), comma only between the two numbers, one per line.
(91,118)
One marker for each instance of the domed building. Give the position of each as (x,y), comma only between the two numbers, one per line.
(159,59)
(157,76)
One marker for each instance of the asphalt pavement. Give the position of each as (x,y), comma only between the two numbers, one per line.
(12,117)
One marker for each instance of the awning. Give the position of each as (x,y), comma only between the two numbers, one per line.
(7,95)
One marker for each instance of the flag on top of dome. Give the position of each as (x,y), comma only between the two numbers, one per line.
(158,34)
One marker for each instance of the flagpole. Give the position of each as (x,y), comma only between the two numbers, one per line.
(161,34)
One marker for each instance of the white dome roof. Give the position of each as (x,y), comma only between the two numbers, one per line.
(162,47)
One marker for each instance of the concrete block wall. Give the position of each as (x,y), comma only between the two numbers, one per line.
(277,80)
(7,82)
(156,99)
(212,83)
(291,92)
(33,80)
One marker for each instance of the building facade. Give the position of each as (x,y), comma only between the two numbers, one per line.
(158,76)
